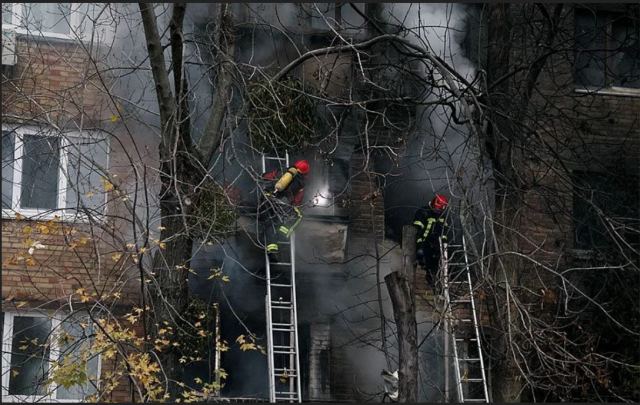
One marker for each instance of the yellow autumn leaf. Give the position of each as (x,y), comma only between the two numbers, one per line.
(116,256)
(226,279)
(198,380)
(117,295)
(27,229)
(114,118)
(106,184)
(21,304)
(30,261)
(247,346)
(182,360)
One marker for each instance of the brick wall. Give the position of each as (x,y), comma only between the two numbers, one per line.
(55,83)
(320,362)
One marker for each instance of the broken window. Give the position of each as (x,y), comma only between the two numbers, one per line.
(607,48)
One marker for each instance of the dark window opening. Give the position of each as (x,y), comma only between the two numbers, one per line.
(304,340)
(607,48)
(40,164)
(325,368)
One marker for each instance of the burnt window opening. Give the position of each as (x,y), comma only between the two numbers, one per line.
(605,211)
(607,49)
(304,341)
(325,369)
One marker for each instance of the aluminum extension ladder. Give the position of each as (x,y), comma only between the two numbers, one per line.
(281,314)
(470,372)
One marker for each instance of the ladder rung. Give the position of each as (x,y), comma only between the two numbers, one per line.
(473,380)
(286,393)
(460,301)
(280,285)
(288,370)
(287,377)
(475,400)
(277,324)
(470,359)
(463,339)
(274,158)
(282,330)
(282,347)
(284,352)
(280,264)
(281,302)
(281,307)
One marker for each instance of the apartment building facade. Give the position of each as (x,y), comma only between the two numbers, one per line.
(67,178)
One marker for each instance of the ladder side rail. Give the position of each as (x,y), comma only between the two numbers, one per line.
(475,322)
(294,311)
(270,360)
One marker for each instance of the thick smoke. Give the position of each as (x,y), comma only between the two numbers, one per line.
(438,159)
(441,155)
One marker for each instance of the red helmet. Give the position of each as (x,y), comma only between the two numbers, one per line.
(439,202)
(302,166)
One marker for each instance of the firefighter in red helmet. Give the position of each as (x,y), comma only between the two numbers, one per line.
(289,188)
(431,224)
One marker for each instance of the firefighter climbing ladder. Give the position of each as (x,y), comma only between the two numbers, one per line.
(468,361)
(282,317)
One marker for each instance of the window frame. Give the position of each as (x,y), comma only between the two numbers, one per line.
(64,213)
(75,20)
(54,356)
(607,88)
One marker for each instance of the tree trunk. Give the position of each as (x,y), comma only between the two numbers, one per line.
(404,312)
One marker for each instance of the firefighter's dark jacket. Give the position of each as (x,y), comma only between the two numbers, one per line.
(431,225)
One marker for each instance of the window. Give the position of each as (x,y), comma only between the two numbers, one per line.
(59,20)
(605,208)
(607,48)
(45,173)
(32,343)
